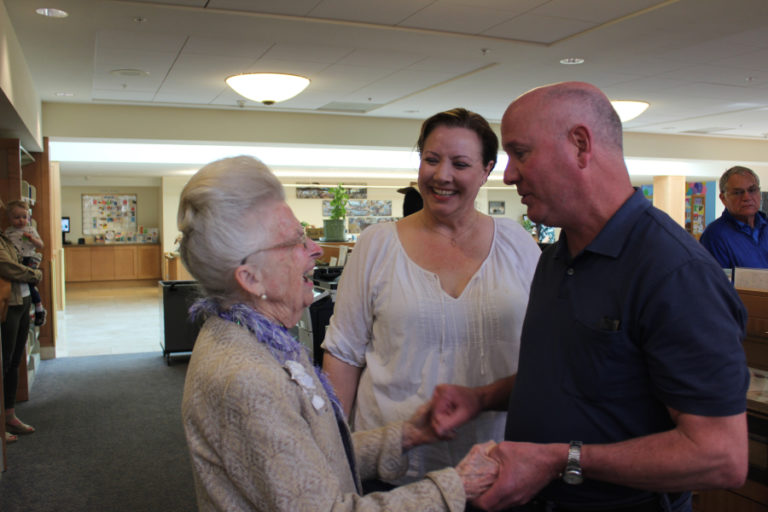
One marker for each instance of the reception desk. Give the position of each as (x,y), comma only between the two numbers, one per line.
(112,262)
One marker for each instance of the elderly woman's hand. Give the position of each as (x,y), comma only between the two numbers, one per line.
(418,428)
(478,471)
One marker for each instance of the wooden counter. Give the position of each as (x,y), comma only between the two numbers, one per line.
(753,496)
(112,262)
(331,249)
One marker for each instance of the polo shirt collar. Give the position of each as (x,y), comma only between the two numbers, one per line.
(760,220)
(612,238)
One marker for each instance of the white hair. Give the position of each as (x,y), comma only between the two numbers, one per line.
(216,212)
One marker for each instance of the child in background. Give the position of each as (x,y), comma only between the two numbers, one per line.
(26,240)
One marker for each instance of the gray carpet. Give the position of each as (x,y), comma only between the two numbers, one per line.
(109,438)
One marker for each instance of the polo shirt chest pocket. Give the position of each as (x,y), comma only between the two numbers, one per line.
(601,362)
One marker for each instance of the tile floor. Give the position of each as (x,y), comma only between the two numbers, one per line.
(118,319)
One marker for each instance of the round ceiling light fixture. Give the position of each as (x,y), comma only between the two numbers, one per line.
(267,88)
(572,61)
(629,109)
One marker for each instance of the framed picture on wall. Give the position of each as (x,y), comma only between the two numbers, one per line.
(496,207)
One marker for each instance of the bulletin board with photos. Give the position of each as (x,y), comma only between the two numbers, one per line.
(109,215)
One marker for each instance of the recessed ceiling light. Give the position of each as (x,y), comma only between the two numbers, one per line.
(571,61)
(51,13)
(129,72)
(629,109)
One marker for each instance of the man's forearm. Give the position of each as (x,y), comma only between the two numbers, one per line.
(495,396)
(700,453)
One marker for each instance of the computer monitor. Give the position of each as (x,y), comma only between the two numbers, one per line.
(64,229)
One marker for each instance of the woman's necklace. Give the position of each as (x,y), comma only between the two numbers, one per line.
(455,238)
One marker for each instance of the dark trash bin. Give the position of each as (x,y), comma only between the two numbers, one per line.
(178,332)
(310,330)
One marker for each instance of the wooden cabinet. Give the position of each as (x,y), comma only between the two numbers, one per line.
(753,496)
(124,259)
(756,342)
(112,262)
(103,264)
(148,262)
(78,263)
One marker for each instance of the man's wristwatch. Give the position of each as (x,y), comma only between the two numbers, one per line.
(572,474)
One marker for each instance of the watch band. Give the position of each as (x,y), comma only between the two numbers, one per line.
(572,473)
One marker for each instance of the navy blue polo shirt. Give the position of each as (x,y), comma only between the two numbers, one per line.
(642,319)
(735,244)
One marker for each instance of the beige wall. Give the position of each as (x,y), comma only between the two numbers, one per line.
(20,108)
(310,210)
(147,205)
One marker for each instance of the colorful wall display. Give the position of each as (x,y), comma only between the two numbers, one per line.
(111,216)
(325,192)
(363,208)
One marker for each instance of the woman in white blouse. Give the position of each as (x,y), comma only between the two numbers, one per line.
(437,297)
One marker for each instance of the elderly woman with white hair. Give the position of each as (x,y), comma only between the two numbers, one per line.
(264,427)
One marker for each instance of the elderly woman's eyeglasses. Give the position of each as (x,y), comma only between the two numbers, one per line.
(739,192)
(300,240)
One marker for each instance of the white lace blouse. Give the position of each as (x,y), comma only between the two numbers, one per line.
(393,319)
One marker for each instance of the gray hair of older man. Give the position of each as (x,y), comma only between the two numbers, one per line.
(737,169)
(216,214)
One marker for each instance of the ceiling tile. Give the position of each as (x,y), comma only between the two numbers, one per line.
(226,47)
(381,59)
(137,41)
(540,29)
(288,7)
(389,12)
(307,53)
(597,11)
(396,85)
(449,17)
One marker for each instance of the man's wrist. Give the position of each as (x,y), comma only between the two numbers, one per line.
(573,474)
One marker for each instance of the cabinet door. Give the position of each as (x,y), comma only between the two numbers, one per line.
(722,500)
(125,262)
(148,261)
(103,264)
(77,261)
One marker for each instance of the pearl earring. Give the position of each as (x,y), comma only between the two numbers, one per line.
(263,296)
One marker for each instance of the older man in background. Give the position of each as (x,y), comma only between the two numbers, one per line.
(739,238)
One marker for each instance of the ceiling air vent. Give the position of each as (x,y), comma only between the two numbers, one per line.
(352,108)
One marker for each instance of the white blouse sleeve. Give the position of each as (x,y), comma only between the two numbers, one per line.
(349,332)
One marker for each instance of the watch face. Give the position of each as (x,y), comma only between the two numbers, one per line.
(572,476)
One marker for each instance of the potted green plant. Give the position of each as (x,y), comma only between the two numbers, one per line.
(334,227)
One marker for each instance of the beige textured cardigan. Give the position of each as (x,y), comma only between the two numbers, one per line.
(258,444)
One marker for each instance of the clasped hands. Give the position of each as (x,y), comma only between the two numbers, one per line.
(495,476)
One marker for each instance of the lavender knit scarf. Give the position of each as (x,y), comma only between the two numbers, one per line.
(278,340)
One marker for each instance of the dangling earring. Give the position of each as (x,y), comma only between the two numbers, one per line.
(263,296)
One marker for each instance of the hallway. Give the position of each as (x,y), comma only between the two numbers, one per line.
(123,318)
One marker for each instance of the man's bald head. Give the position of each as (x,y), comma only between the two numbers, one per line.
(560,106)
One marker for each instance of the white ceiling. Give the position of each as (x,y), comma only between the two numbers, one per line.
(702,64)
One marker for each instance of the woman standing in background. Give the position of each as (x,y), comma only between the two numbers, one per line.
(14,329)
